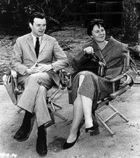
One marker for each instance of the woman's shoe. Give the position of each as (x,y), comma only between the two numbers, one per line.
(94,130)
(69,145)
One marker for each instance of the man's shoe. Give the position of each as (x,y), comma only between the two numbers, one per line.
(24,132)
(21,135)
(41,146)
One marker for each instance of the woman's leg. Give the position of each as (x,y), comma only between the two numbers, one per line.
(77,115)
(87,109)
(87,102)
(77,118)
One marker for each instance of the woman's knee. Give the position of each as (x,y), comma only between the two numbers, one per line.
(85,73)
(81,78)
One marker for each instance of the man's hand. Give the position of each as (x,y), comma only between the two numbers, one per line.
(39,68)
(88,50)
(32,70)
(44,67)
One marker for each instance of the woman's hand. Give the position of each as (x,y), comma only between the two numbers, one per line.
(88,50)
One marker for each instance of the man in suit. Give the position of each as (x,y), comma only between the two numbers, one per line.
(36,58)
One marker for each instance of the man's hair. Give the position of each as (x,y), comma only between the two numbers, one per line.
(98,22)
(36,15)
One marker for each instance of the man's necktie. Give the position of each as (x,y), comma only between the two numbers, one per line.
(37,47)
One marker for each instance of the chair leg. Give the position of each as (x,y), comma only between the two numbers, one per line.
(117,112)
(19,110)
(53,110)
(56,105)
(59,115)
(104,124)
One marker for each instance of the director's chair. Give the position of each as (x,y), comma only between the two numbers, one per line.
(106,103)
(14,90)
(123,84)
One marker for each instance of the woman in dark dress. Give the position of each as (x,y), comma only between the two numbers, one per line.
(88,87)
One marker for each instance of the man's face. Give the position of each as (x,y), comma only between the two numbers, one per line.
(98,33)
(38,27)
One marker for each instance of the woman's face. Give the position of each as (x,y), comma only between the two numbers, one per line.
(98,33)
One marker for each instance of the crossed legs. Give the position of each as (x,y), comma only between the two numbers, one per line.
(33,100)
(82,108)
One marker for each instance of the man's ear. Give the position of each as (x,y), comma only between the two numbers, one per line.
(30,25)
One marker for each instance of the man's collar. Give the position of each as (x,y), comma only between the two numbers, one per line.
(34,37)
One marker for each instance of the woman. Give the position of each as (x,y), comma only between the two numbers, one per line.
(88,86)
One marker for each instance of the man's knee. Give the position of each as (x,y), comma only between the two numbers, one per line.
(42,90)
(31,79)
(41,79)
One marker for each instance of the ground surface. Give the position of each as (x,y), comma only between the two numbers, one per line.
(124,144)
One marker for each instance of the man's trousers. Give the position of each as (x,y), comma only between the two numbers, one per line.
(34,96)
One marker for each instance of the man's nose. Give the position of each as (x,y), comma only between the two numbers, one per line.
(41,27)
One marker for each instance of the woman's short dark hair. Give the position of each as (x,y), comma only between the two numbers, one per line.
(36,15)
(98,22)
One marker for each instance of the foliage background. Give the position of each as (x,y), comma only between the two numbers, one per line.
(61,14)
(14,14)
(131,19)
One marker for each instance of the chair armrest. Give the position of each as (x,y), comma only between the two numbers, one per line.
(16,88)
(66,78)
(123,87)
(119,92)
(14,73)
(118,78)
(125,78)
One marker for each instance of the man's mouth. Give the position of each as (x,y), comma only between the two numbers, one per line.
(41,31)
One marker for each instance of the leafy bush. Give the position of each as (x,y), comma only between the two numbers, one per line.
(15,13)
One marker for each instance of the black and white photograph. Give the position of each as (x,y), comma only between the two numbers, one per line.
(70,78)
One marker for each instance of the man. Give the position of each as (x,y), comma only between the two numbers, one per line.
(36,57)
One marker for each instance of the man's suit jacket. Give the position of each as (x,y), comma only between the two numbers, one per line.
(24,55)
